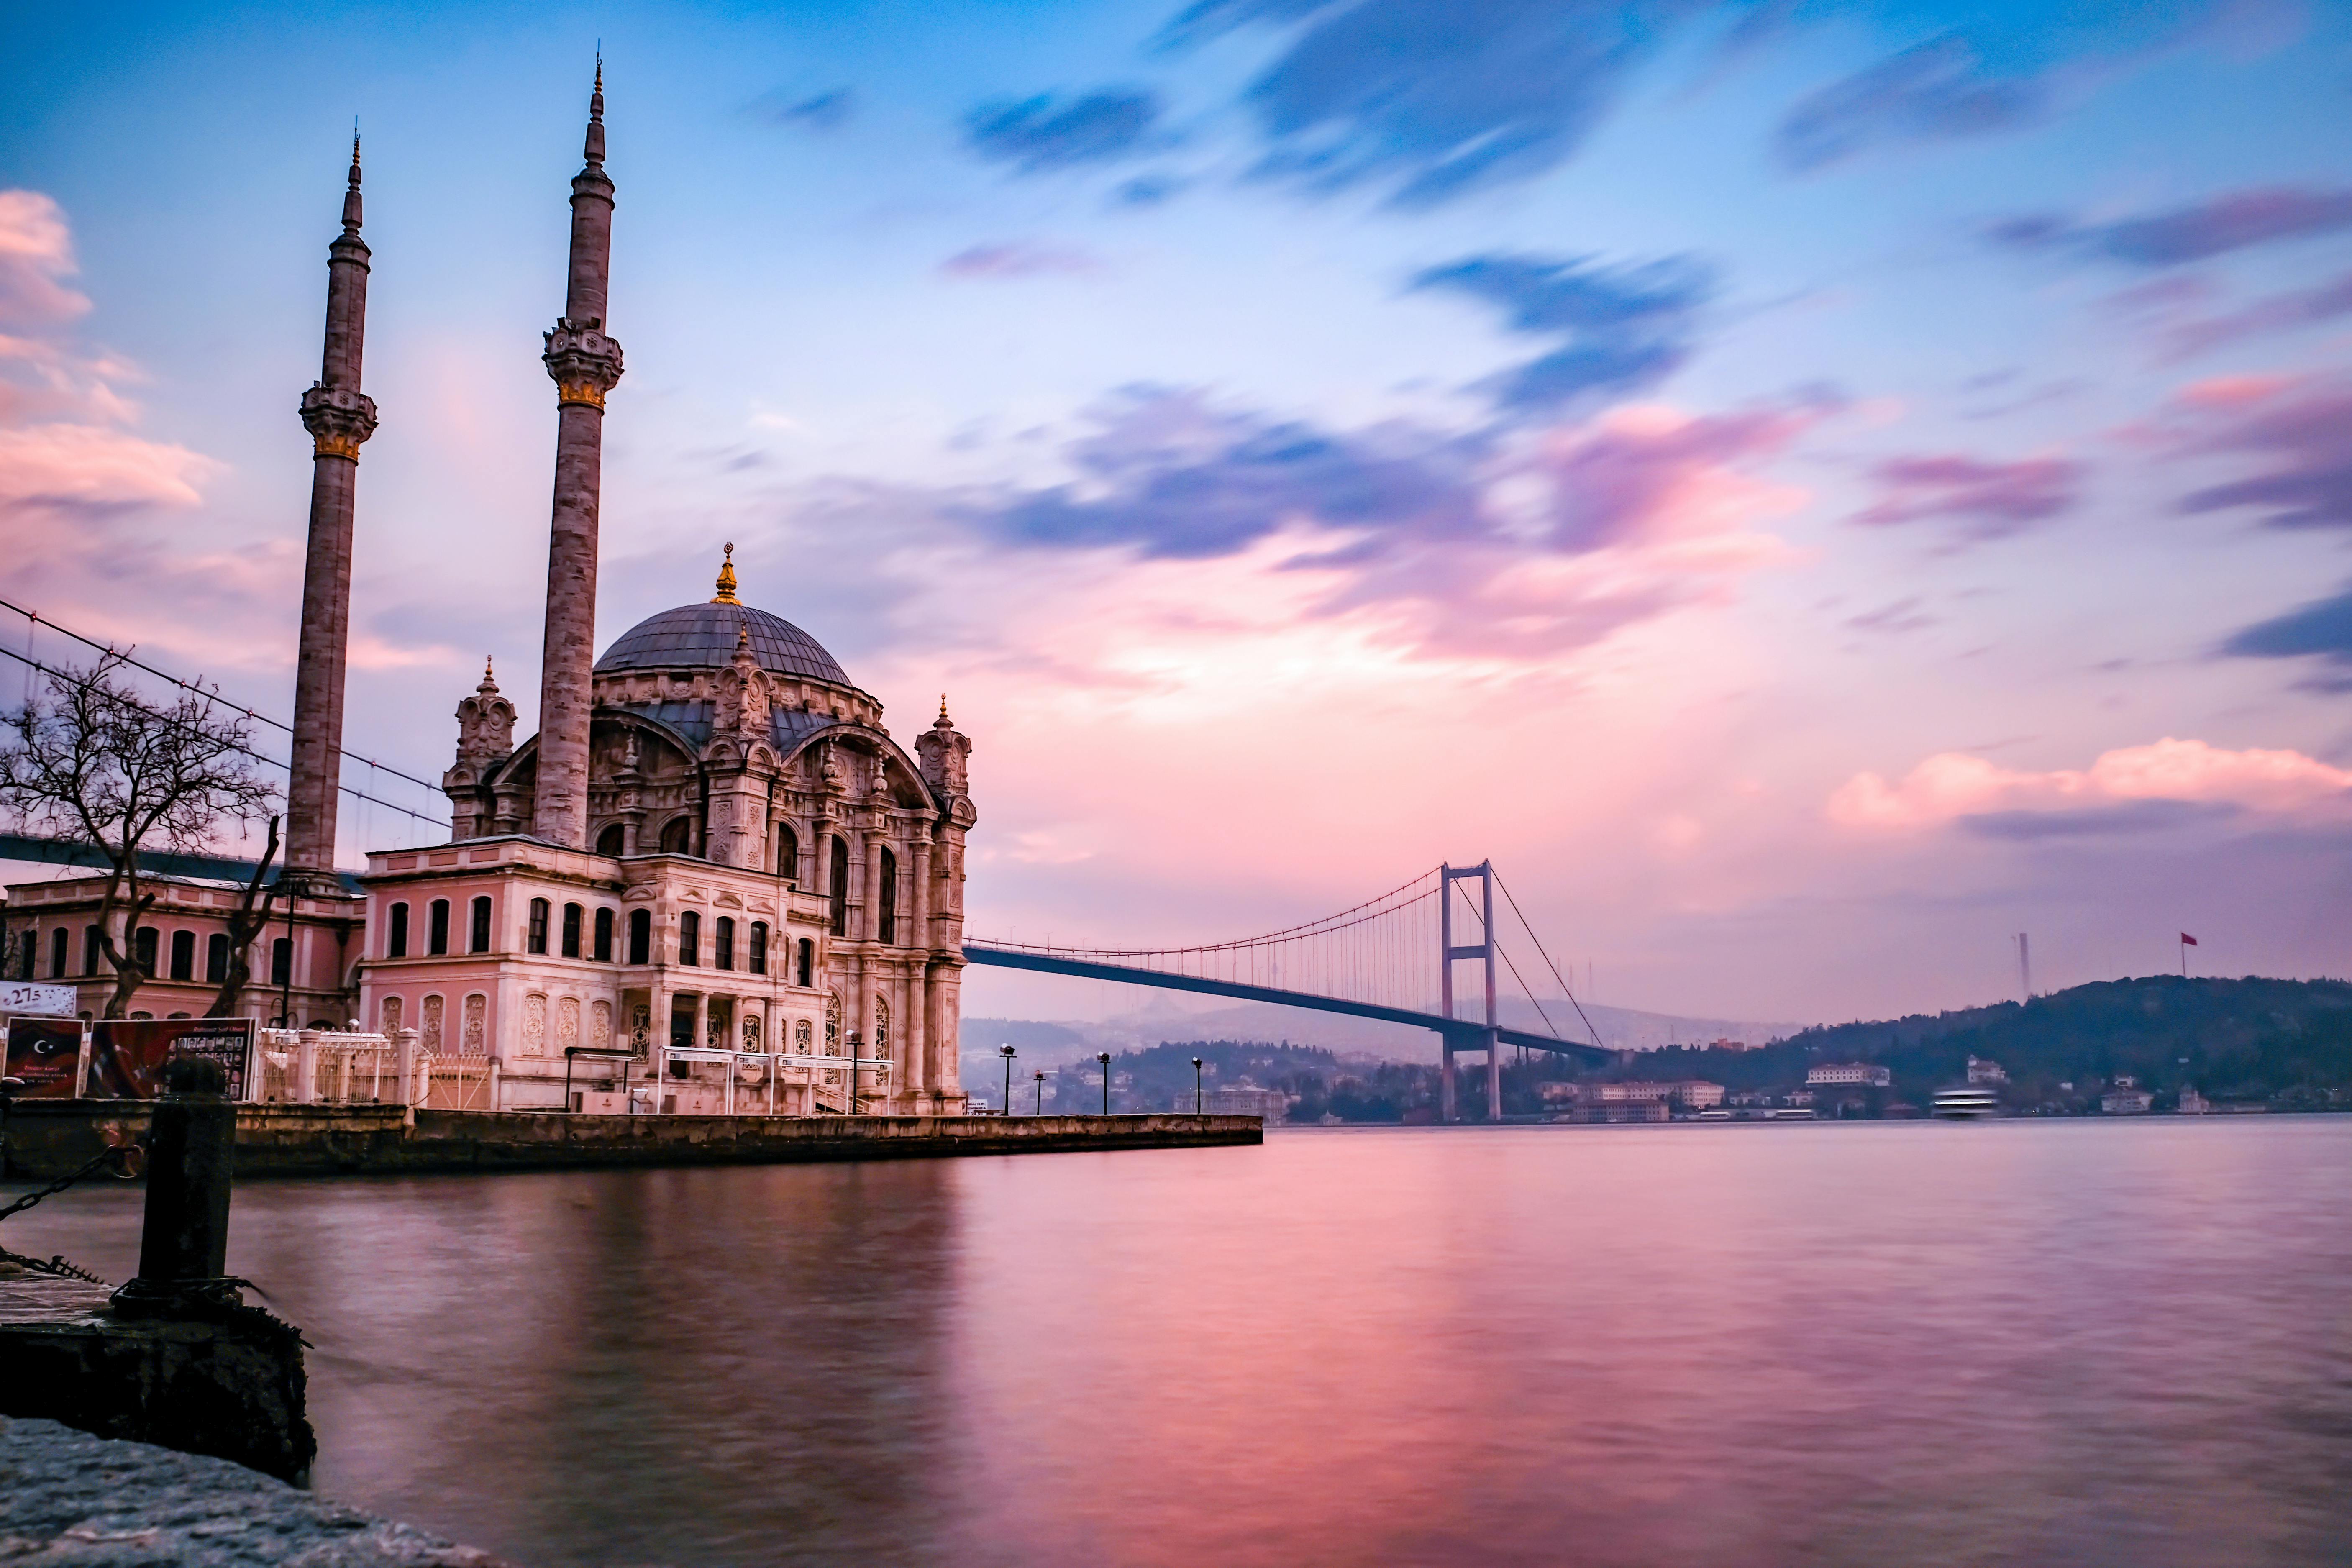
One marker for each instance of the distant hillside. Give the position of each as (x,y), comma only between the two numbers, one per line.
(1620,1028)
(2286,1040)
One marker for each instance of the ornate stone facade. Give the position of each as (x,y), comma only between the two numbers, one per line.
(711,843)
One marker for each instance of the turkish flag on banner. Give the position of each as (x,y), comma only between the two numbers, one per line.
(2187,941)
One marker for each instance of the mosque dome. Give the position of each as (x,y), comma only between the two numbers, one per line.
(703,637)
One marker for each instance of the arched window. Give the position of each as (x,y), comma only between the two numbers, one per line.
(572,913)
(395,935)
(805,973)
(217,958)
(481,931)
(603,949)
(678,836)
(836,889)
(32,949)
(756,959)
(886,921)
(281,961)
(183,955)
(609,841)
(881,1028)
(535,937)
(58,953)
(788,854)
(722,942)
(690,938)
(641,936)
(90,953)
(142,948)
(436,928)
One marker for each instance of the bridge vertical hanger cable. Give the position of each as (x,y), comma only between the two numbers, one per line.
(1566,990)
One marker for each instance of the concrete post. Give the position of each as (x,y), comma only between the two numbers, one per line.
(306,1068)
(191,1153)
(405,1061)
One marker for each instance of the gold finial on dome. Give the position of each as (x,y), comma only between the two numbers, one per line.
(726,594)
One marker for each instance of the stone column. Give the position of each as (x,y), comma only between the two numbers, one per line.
(339,417)
(870,928)
(585,364)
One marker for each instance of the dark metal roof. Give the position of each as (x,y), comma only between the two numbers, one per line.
(702,637)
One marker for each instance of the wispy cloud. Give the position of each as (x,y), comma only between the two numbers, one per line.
(1936,91)
(2295,433)
(1986,499)
(1952,785)
(1433,99)
(2234,220)
(36,258)
(1045,133)
(1619,329)
(1020,259)
(2320,630)
(827,110)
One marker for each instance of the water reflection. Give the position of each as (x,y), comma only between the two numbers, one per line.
(2012,1343)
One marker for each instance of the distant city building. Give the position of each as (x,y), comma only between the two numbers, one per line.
(1622,1110)
(2193,1104)
(2126,1099)
(1983,1071)
(1696,1093)
(1870,1073)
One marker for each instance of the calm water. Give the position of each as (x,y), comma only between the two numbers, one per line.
(2014,1343)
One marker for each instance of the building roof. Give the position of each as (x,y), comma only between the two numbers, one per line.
(703,637)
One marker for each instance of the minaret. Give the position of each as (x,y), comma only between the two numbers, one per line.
(585,364)
(339,417)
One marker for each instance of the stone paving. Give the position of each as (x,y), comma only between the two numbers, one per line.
(66,1498)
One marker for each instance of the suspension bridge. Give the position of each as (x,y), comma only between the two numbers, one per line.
(1394,958)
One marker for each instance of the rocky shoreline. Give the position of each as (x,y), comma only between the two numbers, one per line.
(70,1499)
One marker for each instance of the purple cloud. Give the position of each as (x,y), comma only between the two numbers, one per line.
(1018,258)
(2320,630)
(1936,91)
(2301,434)
(1992,500)
(2235,220)
(1619,329)
(1041,133)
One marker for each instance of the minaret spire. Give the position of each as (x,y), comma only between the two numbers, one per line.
(339,417)
(585,363)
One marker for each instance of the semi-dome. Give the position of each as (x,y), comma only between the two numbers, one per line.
(703,637)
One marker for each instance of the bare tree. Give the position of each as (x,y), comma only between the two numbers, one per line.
(92,763)
(246,922)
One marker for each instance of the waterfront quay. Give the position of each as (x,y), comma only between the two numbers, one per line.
(46,1140)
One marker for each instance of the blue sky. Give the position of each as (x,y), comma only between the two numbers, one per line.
(1812,488)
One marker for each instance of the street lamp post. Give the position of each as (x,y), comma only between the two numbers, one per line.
(1007,1053)
(1103,1057)
(1196,1085)
(1040,1076)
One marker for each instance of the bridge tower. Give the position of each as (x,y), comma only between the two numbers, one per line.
(1490,1038)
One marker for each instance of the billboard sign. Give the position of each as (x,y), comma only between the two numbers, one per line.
(48,1001)
(127,1054)
(45,1054)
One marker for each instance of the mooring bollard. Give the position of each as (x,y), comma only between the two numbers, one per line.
(184,1246)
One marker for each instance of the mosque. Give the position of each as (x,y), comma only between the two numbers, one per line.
(711,849)
(712,875)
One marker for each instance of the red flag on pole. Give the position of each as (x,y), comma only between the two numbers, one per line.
(2187,941)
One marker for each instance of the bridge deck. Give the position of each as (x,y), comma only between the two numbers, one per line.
(1464,1033)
